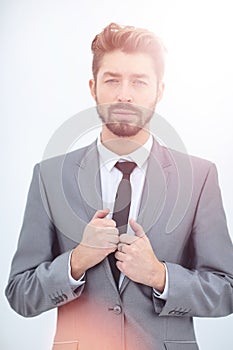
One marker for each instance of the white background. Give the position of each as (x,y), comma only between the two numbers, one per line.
(45,62)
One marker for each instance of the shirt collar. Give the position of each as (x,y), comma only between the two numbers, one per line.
(109,158)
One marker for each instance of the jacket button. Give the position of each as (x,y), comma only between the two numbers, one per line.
(117,309)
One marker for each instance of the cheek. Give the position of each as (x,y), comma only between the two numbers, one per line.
(104,95)
(147,95)
(147,101)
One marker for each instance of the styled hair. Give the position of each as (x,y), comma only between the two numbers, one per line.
(128,39)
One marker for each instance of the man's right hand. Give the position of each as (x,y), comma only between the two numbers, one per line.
(100,238)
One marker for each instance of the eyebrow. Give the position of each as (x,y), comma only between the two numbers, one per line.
(117,75)
(112,74)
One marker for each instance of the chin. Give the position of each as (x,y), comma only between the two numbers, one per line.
(123,129)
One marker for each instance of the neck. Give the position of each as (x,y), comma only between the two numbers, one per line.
(123,145)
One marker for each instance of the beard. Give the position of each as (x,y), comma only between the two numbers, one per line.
(124,119)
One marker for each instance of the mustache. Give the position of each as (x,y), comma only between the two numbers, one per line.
(124,106)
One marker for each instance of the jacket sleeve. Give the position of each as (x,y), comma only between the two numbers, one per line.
(39,273)
(206,288)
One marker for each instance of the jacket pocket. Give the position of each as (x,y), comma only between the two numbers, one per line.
(65,345)
(180,345)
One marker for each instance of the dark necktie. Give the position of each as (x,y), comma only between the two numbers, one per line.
(121,208)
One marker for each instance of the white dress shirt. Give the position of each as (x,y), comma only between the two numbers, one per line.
(110,178)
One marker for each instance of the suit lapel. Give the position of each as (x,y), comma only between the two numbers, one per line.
(154,192)
(88,180)
(155,188)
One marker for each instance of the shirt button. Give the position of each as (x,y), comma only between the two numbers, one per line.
(117,309)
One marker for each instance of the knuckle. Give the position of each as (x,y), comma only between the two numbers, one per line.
(122,238)
(134,242)
(115,230)
(106,222)
(129,258)
(112,222)
(94,223)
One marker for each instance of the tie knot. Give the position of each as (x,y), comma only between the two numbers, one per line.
(126,168)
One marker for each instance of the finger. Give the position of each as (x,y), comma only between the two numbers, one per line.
(127,238)
(100,214)
(120,247)
(108,246)
(138,230)
(123,248)
(120,256)
(111,248)
(119,265)
(107,222)
(113,239)
(111,231)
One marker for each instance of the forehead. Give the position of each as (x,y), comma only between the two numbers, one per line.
(122,63)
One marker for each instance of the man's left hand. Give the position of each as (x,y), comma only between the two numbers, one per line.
(137,260)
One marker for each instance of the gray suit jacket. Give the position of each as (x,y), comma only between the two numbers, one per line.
(181,212)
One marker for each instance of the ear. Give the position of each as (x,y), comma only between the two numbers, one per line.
(160,91)
(92,88)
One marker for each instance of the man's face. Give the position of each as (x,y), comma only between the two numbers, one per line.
(126,91)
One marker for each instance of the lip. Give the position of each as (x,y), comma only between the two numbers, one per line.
(123,112)
(127,117)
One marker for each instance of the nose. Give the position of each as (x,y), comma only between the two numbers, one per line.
(124,99)
(124,94)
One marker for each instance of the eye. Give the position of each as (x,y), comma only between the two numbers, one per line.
(112,81)
(139,82)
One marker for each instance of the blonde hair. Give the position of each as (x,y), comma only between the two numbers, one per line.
(130,40)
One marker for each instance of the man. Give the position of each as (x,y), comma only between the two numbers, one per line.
(138,287)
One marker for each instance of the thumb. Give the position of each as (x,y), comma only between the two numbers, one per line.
(138,230)
(100,214)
